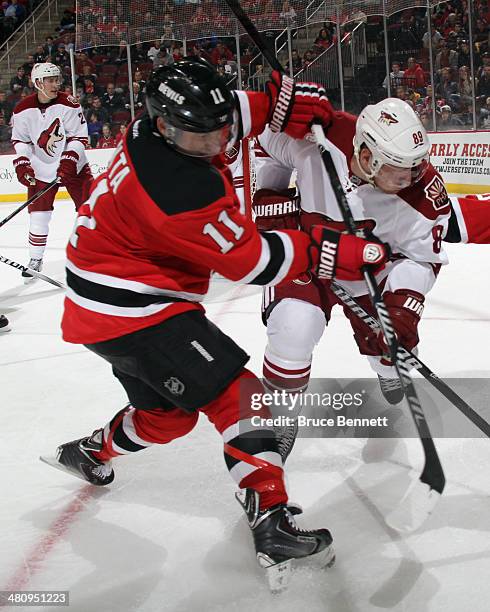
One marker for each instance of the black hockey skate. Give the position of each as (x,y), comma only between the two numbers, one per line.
(4,324)
(392,389)
(76,458)
(34,264)
(279,542)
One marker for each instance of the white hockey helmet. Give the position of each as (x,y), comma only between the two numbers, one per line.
(395,136)
(41,71)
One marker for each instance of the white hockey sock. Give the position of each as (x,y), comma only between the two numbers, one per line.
(280,373)
(38,233)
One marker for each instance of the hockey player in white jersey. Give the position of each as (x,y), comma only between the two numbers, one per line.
(395,194)
(49,133)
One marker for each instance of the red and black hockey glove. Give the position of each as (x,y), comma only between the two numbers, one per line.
(336,255)
(405,308)
(24,171)
(295,106)
(276,210)
(67,170)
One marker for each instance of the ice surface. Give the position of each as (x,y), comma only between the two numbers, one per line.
(168,534)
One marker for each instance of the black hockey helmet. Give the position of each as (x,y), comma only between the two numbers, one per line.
(191,96)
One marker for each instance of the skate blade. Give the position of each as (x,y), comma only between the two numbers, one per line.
(53,462)
(279,574)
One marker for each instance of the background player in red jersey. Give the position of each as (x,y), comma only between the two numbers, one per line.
(49,133)
(163,217)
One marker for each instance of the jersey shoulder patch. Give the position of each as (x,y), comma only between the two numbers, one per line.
(176,183)
(428,196)
(66,100)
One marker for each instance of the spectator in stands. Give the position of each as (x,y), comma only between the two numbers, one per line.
(464,58)
(90,88)
(49,48)
(446,58)
(138,78)
(153,51)
(445,119)
(119,54)
(99,110)
(401,93)
(464,119)
(163,58)
(122,130)
(111,100)
(82,60)
(67,22)
(436,38)
(297,63)
(106,140)
(28,65)
(19,81)
(287,12)
(6,107)
(405,39)
(464,90)
(396,76)
(219,52)
(39,55)
(483,87)
(178,53)
(427,120)
(308,57)
(5,137)
(94,126)
(445,87)
(87,75)
(485,62)
(481,34)
(139,53)
(485,115)
(138,98)
(15,11)
(415,75)
(323,40)
(61,57)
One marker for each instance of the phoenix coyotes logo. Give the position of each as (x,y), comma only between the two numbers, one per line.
(387,118)
(50,137)
(436,193)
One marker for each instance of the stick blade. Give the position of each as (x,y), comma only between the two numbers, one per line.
(414,509)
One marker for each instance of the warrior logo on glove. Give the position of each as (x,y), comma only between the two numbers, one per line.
(50,137)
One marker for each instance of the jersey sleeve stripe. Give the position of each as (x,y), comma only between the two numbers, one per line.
(276,260)
(456,231)
(245,115)
(136,286)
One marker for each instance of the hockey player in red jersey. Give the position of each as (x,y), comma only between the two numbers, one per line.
(49,133)
(157,223)
(395,194)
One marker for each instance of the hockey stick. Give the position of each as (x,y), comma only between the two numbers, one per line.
(414,362)
(421,499)
(43,277)
(29,201)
